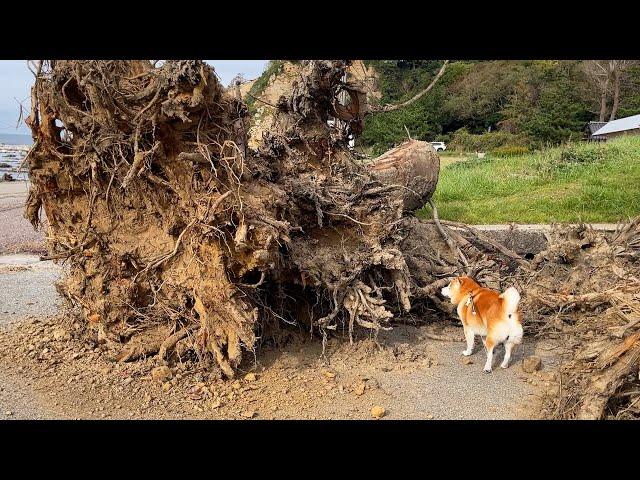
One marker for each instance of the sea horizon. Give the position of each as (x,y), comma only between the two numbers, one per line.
(16,139)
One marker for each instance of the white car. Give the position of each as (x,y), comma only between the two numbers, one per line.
(439,146)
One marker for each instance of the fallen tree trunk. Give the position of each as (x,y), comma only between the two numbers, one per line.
(412,168)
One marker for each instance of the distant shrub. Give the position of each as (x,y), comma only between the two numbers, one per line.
(509,151)
(573,154)
(462,140)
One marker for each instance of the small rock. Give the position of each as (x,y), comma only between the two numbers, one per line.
(329,374)
(549,376)
(250,377)
(377,412)
(166,386)
(248,414)
(8,413)
(59,334)
(429,417)
(161,374)
(359,389)
(531,364)
(467,361)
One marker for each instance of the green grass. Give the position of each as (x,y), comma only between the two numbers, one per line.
(581,182)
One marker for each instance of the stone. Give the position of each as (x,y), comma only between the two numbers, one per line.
(60,334)
(359,389)
(250,377)
(377,412)
(161,374)
(531,364)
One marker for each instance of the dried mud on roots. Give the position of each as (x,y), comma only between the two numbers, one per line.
(180,240)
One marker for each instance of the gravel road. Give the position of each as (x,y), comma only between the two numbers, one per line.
(27,287)
(16,233)
(424,379)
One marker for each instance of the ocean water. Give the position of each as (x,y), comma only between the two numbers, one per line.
(10,161)
(15,139)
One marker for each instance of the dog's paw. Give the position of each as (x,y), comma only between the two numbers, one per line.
(504,365)
(466,353)
(487,370)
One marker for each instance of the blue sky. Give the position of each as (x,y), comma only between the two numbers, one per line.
(16,81)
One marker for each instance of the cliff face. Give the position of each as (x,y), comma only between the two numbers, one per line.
(281,82)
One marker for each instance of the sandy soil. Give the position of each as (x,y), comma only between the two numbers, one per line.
(49,369)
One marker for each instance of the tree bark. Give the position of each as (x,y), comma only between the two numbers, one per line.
(616,93)
(603,100)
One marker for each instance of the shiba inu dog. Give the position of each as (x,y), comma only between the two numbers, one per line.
(488,314)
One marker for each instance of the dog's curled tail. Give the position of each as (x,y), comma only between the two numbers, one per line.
(511,298)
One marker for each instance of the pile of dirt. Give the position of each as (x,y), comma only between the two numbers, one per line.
(75,373)
(182,240)
(584,291)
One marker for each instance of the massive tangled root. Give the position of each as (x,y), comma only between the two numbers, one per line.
(584,290)
(180,238)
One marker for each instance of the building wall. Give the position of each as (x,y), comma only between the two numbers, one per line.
(635,131)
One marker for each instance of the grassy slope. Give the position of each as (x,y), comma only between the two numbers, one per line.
(579,182)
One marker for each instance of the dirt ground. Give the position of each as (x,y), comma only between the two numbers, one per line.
(49,371)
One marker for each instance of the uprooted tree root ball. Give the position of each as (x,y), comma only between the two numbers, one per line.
(183,242)
(179,238)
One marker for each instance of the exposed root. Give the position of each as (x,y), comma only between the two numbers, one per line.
(166,217)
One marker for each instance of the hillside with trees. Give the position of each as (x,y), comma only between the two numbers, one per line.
(496,105)
(502,103)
